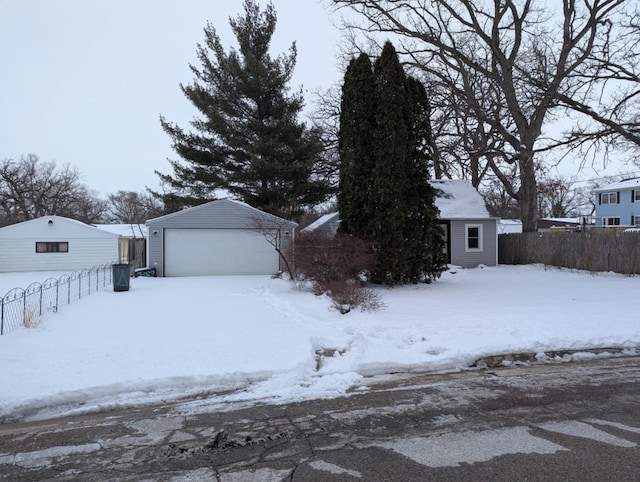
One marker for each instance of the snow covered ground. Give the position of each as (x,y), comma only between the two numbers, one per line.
(168,338)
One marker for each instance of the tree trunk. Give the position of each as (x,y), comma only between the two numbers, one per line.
(528,193)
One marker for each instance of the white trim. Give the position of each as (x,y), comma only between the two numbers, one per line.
(606,197)
(606,221)
(466,238)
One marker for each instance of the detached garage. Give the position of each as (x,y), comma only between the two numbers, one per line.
(222,237)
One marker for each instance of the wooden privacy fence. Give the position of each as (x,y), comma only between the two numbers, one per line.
(592,250)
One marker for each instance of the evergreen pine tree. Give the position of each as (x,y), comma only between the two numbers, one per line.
(423,233)
(385,196)
(248,140)
(355,146)
(389,177)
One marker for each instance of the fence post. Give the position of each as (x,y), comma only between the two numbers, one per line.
(40,308)
(2,319)
(79,285)
(57,289)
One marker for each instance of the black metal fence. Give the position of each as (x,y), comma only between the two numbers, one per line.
(25,307)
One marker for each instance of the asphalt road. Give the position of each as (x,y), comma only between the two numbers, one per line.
(574,421)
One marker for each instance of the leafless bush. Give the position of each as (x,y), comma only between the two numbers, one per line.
(347,295)
(337,266)
(324,259)
(31,318)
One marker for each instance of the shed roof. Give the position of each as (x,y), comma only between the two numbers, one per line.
(458,199)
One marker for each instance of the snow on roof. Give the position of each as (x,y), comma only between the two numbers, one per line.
(458,199)
(626,184)
(53,217)
(125,230)
(325,218)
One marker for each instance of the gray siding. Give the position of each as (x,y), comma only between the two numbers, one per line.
(221,214)
(470,259)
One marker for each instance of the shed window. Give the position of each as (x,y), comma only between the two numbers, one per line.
(473,237)
(52,247)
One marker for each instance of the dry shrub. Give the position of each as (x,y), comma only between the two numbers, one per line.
(337,266)
(31,318)
(349,294)
(324,259)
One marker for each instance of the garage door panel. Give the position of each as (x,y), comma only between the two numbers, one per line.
(202,252)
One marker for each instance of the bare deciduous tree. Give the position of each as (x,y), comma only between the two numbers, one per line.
(612,110)
(30,188)
(509,65)
(130,207)
(559,197)
(278,233)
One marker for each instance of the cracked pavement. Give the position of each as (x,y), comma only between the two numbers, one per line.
(573,421)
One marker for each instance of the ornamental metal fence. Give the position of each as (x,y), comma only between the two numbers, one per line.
(25,307)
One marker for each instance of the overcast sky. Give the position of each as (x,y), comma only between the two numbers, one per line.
(84,82)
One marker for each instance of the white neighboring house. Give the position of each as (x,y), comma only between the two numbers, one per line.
(55,243)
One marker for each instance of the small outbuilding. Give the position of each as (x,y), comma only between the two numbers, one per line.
(222,237)
(55,243)
(471,232)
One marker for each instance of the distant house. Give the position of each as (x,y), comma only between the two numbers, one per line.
(471,231)
(55,243)
(223,237)
(132,242)
(326,225)
(573,224)
(509,226)
(618,204)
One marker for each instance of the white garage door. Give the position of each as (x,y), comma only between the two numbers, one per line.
(202,252)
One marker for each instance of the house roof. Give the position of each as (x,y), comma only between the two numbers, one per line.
(57,221)
(626,184)
(325,218)
(458,199)
(125,230)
